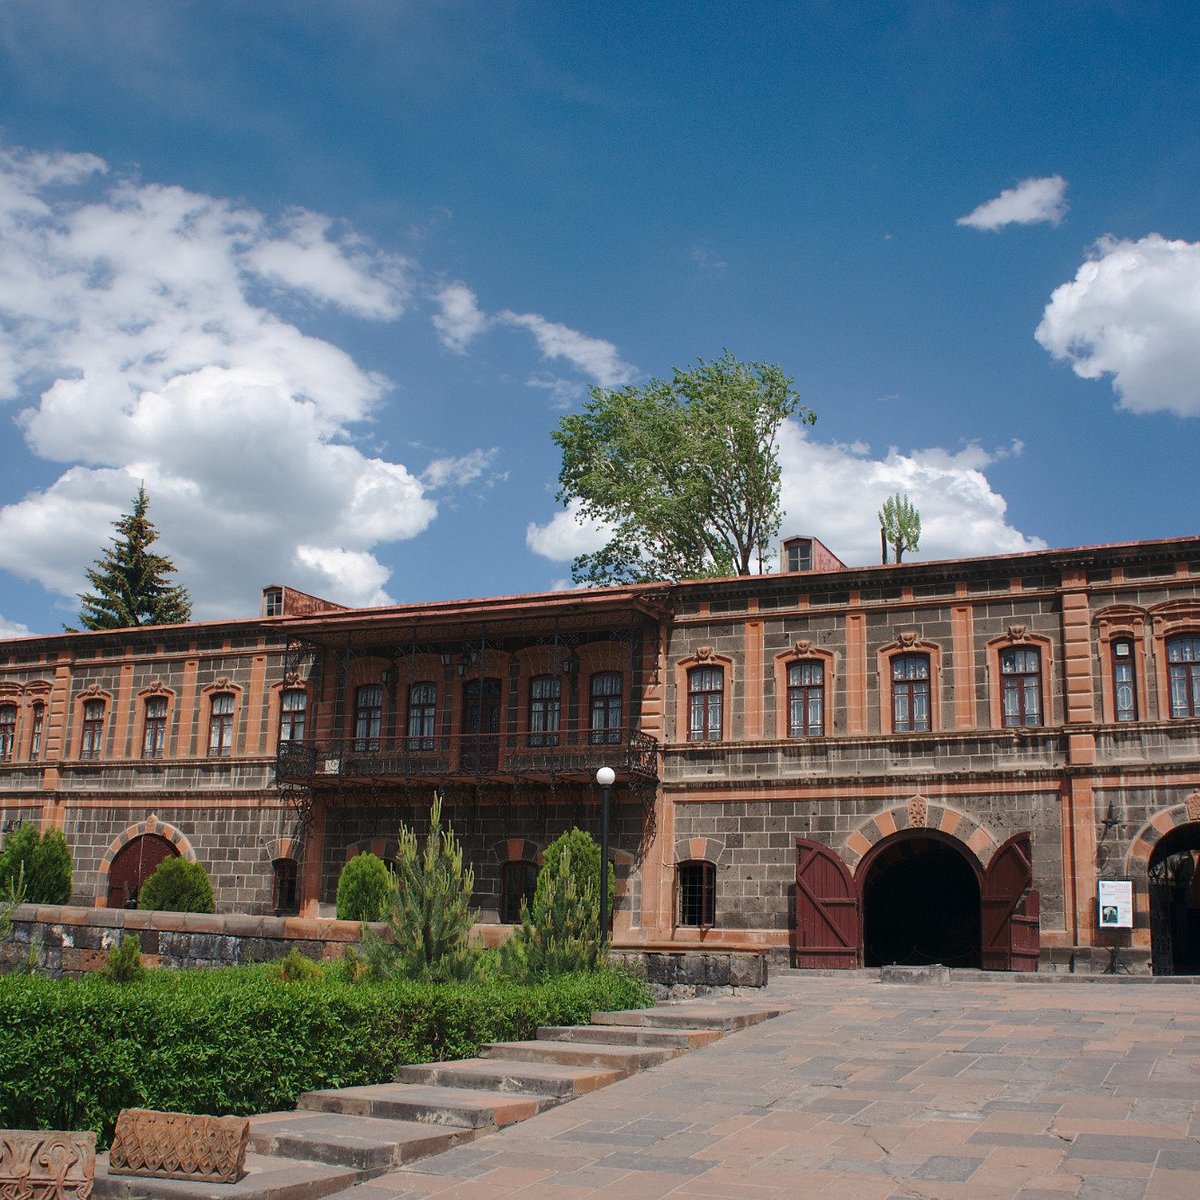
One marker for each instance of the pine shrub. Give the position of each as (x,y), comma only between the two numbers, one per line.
(431,915)
(364,889)
(43,863)
(560,932)
(124,962)
(177,885)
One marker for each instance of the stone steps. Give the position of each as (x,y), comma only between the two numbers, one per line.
(631,1035)
(599,1056)
(339,1137)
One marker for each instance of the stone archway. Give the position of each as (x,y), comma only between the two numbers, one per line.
(921,892)
(1166,854)
(132,857)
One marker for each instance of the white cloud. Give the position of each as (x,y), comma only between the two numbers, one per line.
(460,319)
(467,468)
(594,357)
(1031,202)
(13,629)
(566,535)
(961,515)
(1133,312)
(136,322)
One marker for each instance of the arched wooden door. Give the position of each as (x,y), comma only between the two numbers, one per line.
(133,864)
(1012,938)
(827,931)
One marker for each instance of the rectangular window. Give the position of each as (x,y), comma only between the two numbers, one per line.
(422,716)
(1021,686)
(154,740)
(220,726)
(806,698)
(910,693)
(35,732)
(93,729)
(368,717)
(697,893)
(705,693)
(8,731)
(518,881)
(1124,676)
(545,709)
(293,708)
(1183,676)
(605,717)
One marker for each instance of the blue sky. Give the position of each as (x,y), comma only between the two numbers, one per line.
(326,276)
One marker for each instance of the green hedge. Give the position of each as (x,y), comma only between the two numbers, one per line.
(73,1053)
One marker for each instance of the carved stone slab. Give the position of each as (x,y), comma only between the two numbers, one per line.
(179,1146)
(46,1164)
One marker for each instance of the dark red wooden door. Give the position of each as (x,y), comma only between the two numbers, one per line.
(827,932)
(133,864)
(1011,909)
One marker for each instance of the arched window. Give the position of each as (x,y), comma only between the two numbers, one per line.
(545,709)
(606,715)
(697,893)
(92,742)
(154,735)
(220,725)
(706,686)
(8,731)
(285,886)
(1183,675)
(293,709)
(806,698)
(1124,680)
(518,881)
(368,717)
(1021,686)
(910,693)
(422,716)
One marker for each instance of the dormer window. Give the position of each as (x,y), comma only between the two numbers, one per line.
(797,554)
(273,602)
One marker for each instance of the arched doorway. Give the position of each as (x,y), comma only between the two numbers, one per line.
(133,864)
(1174,882)
(920,902)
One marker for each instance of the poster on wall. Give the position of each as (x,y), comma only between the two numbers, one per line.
(1116,903)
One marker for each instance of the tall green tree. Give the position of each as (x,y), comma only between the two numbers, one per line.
(131,583)
(900,525)
(685,471)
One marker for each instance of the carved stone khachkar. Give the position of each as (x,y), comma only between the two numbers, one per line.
(1193,806)
(179,1146)
(918,812)
(46,1164)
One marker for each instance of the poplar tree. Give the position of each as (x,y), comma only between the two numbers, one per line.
(684,471)
(900,525)
(131,584)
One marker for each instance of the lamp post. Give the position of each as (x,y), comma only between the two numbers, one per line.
(605,777)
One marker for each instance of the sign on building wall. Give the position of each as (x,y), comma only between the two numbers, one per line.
(1116,903)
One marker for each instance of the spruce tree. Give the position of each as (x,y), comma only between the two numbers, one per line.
(130,581)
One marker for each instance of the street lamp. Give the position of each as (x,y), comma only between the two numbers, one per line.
(605,777)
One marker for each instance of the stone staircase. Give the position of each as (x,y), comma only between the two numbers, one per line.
(339,1137)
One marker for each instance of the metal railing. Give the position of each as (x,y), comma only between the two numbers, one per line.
(567,754)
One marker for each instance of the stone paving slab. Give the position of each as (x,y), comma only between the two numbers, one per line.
(599,1055)
(981,1089)
(465,1107)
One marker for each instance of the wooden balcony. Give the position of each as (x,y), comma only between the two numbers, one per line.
(504,758)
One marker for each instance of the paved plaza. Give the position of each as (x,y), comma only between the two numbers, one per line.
(978,1089)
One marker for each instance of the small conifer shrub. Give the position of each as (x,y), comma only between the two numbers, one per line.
(364,890)
(177,885)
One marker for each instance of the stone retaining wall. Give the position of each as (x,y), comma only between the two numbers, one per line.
(70,941)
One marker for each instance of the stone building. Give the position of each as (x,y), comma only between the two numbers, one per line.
(930,761)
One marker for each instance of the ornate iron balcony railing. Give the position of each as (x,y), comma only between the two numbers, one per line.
(571,755)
